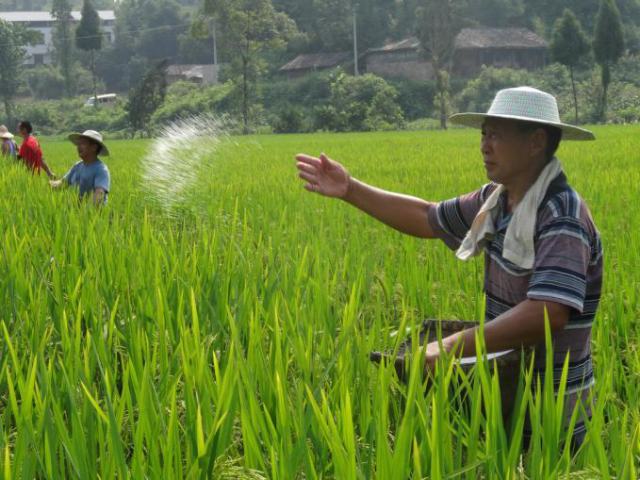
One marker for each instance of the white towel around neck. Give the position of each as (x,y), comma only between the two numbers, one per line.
(518,243)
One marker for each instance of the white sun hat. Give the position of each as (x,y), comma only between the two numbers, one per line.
(524,104)
(91,135)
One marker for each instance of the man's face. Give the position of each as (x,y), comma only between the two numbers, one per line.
(22,132)
(87,149)
(508,153)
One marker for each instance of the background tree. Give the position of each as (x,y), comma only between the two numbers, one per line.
(146,97)
(608,46)
(438,27)
(63,43)
(249,28)
(89,39)
(569,46)
(496,13)
(13,37)
(163,23)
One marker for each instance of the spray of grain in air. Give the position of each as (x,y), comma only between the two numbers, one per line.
(182,160)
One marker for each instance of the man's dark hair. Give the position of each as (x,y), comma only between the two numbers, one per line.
(554,136)
(26,125)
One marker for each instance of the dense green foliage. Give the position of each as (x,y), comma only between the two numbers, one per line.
(232,342)
(359,103)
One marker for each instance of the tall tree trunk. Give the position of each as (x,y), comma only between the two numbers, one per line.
(245,95)
(67,67)
(93,75)
(575,94)
(442,95)
(606,80)
(8,109)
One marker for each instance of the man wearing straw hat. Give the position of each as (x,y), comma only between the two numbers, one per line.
(9,145)
(542,250)
(90,175)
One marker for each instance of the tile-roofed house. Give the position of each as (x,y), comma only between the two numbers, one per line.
(398,59)
(44,23)
(498,47)
(475,47)
(472,38)
(306,63)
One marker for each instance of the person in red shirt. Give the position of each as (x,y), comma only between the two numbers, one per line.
(30,152)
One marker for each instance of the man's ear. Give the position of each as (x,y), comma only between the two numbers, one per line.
(538,142)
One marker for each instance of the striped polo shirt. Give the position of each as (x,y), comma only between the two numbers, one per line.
(567,270)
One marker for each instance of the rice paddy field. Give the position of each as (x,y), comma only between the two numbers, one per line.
(231,340)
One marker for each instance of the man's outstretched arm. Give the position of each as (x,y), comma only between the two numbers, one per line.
(404,213)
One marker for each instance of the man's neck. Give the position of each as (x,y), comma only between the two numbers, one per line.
(518,187)
(90,160)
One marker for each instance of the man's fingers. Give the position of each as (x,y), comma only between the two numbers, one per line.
(326,162)
(313,161)
(307,177)
(311,188)
(304,167)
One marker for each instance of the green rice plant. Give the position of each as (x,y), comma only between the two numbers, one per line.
(232,340)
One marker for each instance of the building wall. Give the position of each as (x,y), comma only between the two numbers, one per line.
(468,63)
(42,54)
(407,64)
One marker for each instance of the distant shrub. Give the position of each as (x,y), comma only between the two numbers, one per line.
(289,119)
(415,98)
(360,103)
(187,98)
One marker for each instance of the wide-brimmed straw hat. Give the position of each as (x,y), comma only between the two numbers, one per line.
(524,104)
(6,135)
(91,135)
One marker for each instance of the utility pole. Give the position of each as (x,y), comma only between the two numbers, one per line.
(215,45)
(355,42)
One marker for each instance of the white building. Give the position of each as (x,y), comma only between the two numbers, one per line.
(43,22)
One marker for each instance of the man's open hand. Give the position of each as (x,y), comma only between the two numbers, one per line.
(323,176)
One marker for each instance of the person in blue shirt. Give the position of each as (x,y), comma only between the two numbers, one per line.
(90,175)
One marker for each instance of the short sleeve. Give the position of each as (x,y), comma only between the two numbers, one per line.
(452,219)
(103,179)
(563,253)
(68,177)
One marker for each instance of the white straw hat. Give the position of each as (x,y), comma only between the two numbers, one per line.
(91,135)
(524,104)
(6,135)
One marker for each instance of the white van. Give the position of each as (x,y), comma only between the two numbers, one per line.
(102,100)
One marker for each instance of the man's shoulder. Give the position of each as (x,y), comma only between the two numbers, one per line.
(100,166)
(563,203)
(567,207)
(487,189)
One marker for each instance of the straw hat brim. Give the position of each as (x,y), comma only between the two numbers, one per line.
(75,137)
(569,132)
(7,136)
